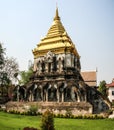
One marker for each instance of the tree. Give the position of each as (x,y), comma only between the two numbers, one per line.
(25,76)
(8,67)
(102,88)
(4,82)
(11,67)
(2,54)
(3,75)
(47,121)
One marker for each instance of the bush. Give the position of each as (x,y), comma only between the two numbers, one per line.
(33,111)
(112,104)
(47,121)
(109,112)
(68,114)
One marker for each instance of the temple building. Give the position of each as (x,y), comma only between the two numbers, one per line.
(110,91)
(57,71)
(57,82)
(90,78)
(57,66)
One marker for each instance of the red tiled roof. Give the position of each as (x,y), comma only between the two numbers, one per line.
(90,77)
(110,85)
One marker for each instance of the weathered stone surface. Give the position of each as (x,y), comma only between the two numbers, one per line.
(57,108)
(112,115)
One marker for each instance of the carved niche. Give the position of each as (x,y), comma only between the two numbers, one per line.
(49,61)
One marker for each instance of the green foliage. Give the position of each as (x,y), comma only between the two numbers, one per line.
(2,61)
(68,114)
(109,112)
(2,55)
(47,121)
(33,111)
(102,88)
(8,67)
(25,76)
(4,80)
(11,67)
(112,104)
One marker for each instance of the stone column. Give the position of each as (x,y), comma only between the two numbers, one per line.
(31,96)
(61,66)
(58,98)
(51,67)
(63,96)
(78,97)
(47,96)
(35,65)
(46,67)
(39,67)
(85,97)
(42,94)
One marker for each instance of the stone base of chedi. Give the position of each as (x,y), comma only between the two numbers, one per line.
(75,108)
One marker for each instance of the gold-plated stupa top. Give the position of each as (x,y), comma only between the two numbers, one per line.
(56,40)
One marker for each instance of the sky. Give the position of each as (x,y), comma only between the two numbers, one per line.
(89,23)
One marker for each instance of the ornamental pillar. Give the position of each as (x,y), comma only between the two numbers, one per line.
(62,96)
(47,96)
(42,97)
(58,98)
(78,98)
(46,69)
(51,67)
(85,97)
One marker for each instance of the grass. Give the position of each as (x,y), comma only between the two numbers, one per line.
(18,122)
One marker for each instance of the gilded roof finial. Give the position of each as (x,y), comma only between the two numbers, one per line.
(57,14)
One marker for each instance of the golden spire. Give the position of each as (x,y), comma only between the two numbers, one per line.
(57,15)
(56,40)
(57,28)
